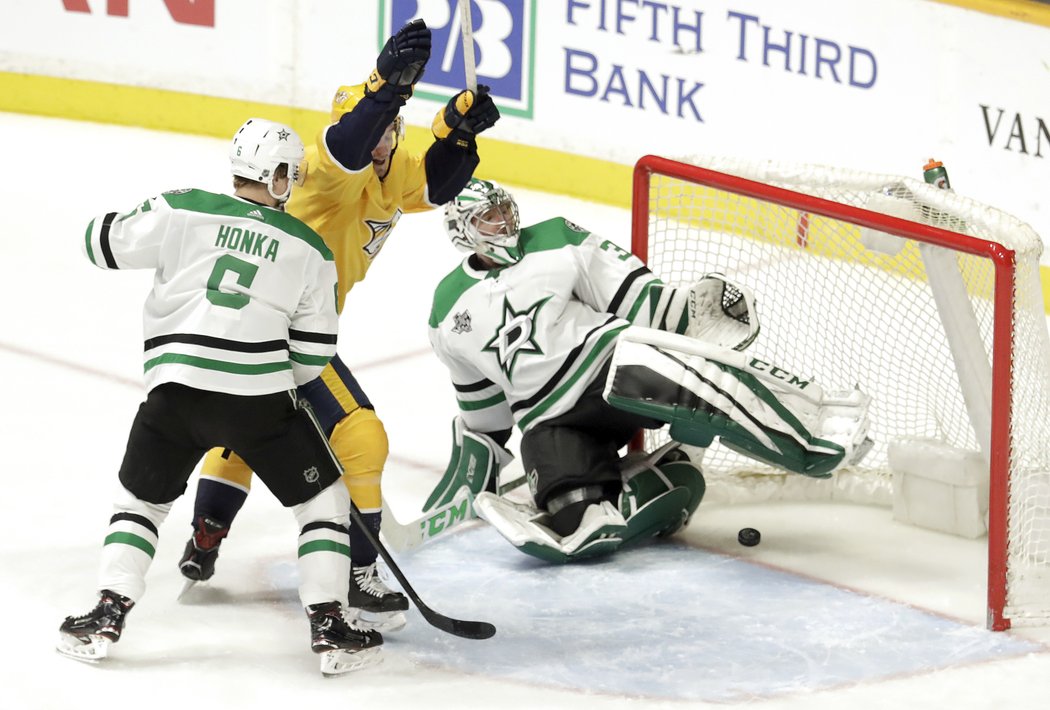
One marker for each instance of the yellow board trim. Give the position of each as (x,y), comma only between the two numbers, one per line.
(537,168)
(530,167)
(1034,13)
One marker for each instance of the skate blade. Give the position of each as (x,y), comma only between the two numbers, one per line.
(383,622)
(339,662)
(92,652)
(186,586)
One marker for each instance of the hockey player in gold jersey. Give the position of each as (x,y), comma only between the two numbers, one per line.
(358,182)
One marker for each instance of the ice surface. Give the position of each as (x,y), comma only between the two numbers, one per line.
(838,607)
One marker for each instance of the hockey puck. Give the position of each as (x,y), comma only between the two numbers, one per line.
(748,537)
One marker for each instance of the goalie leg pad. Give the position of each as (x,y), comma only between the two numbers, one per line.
(525,527)
(761,410)
(660,500)
(475,461)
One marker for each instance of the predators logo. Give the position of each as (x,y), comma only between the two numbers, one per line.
(380,230)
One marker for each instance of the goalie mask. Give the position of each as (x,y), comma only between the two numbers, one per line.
(259,147)
(483,218)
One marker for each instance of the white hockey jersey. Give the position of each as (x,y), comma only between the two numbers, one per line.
(244,296)
(522,342)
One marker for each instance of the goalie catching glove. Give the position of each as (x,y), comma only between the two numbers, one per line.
(465,115)
(722,312)
(714,309)
(401,62)
(756,408)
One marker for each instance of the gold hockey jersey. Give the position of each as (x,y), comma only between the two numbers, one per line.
(356,211)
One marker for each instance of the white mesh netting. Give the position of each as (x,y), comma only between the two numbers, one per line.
(847,314)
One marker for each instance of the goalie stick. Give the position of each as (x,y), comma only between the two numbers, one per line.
(438,521)
(457,627)
(406,536)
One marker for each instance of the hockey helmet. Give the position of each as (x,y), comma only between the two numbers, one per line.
(483,218)
(259,147)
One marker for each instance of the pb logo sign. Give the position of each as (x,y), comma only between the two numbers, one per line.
(503,47)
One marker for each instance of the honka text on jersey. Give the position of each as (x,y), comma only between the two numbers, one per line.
(222,315)
(244,240)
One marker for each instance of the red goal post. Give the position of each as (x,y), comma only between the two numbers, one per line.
(927,300)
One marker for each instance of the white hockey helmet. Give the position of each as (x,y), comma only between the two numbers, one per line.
(259,147)
(483,218)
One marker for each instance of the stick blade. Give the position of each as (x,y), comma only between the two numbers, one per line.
(474,630)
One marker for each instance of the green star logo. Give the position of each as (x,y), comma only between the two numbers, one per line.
(515,335)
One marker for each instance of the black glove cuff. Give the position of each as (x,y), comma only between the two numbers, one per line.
(388,93)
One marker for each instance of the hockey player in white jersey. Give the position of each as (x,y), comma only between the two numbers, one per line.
(576,342)
(243,309)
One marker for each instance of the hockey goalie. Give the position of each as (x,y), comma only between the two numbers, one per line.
(560,332)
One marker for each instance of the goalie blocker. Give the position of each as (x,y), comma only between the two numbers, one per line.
(752,406)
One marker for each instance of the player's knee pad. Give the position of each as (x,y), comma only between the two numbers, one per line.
(128,503)
(130,544)
(361,443)
(230,468)
(324,545)
(332,505)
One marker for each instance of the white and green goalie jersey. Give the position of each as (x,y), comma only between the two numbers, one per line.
(522,342)
(244,296)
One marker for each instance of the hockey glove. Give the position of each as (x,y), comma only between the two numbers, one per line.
(466,115)
(401,62)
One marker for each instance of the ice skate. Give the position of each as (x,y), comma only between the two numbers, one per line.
(88,637)
(372,604)
(343,647)
(202,550)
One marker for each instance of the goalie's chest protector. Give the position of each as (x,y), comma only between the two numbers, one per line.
(525,328)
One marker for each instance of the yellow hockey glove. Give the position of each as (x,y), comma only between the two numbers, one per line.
(465,115)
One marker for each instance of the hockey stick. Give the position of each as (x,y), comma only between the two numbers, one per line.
(406,536)
(456,627)
(467,31)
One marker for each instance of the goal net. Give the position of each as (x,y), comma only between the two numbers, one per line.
(927,300)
